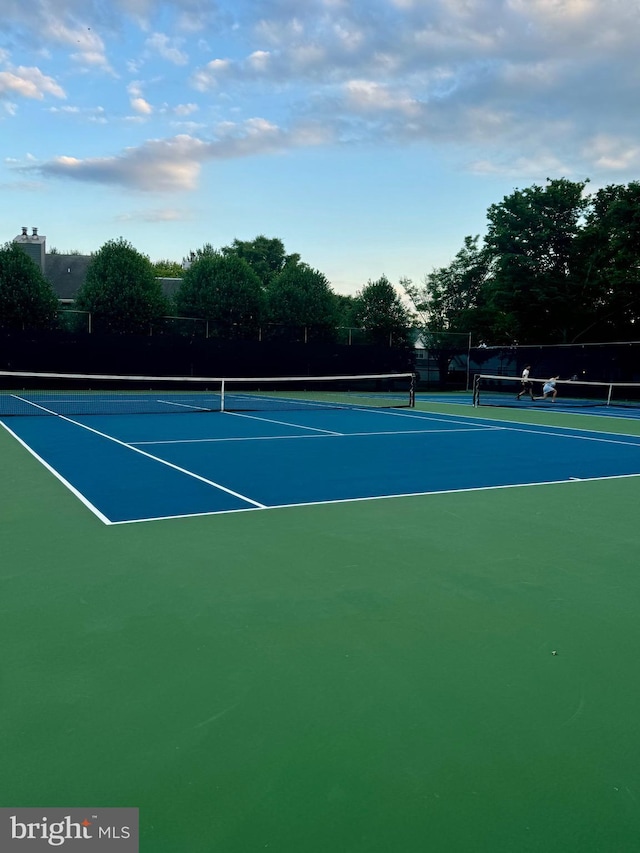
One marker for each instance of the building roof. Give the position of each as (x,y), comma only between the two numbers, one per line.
(66,273)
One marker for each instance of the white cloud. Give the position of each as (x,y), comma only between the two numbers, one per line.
(167,48)
(29,83)
(88,47)
(173,165)
(141,106)
(138,103)
(611,153)
(279,31)
(259,60)
(350,37)
(366,96)
(210,76)
(159,165)
(93,115)
(185,109)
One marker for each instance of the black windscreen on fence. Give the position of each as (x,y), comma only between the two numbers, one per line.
(176,356)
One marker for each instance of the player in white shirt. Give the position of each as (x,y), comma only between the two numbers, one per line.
(527,385)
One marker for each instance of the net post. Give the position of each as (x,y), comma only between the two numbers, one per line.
(609,395)
(222,409)
(412,391)
(476,390)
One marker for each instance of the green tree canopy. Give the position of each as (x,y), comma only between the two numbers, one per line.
(610,250)
(302,296)
(27,299)
(537,287)
(452,298)
(265,255)
(121,290)
(346,307)
(222,289)
(167,269)
(382,315)
(557,265)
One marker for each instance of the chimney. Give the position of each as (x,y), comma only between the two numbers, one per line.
(24,230)
(35,232)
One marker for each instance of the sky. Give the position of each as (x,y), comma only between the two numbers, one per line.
(369,136)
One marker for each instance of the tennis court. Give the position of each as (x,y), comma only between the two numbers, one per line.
(337,632)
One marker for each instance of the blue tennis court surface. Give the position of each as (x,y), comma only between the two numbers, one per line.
(129,468)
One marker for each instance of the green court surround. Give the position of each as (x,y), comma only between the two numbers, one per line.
(371,677)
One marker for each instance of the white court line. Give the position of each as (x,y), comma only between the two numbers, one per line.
(521,426)
(562,431)
(569,481)
(281,423)
(368,412)
(531,423)
(607,413)
(103,518)
(417,414)
(565,434)
(187,406)
(148,455)
(470,425)
(330,435)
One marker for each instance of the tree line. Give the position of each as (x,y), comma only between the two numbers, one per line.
(556,265)
(235,289)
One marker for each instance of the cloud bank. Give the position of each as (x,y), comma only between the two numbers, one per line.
(504,86)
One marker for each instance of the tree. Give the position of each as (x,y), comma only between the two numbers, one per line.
(121,290)
(453,298)
(223,290)
(537,288)
(167,269)
(301,296)
(346,308)
(610,249)
(266,256)
(382,315)
(27,299)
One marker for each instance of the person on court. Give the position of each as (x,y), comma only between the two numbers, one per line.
(549,387)
(527,385)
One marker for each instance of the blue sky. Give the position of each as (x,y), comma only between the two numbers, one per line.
(369,136)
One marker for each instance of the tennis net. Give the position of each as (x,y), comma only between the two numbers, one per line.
(97,394)
(491,390)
